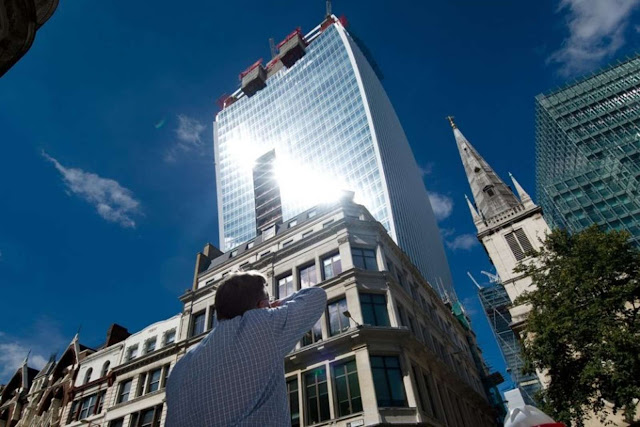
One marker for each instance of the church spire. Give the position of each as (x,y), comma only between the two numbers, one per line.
(491,195)
(477,219)
(523,195)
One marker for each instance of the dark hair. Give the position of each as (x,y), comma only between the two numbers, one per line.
(239,293)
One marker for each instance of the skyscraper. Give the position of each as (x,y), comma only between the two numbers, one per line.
(588,151)
(321,108)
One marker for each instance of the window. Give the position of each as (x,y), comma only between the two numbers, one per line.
(389,265)
(412,327)
(233,253)
(250,245)
(264,254)
(307,233)
(402,318)
(387,380)
(269,233)
(100,403)
(117,423)
(317,396)
(421,400)
(147,418)
(307,276)
(431,395)
(338,322)
(169,337)
(105,368)
(345,377)
(124,390)
(287,243)
(489,190)
(285,286)
(294,405)
(87,376)
(154,380)
(150,345)
(328,223)
(293,223)
(311,214)
(364,259)
(132,353)
(399,275)
(87,406)
(314,335)
(519,243)
(331,266)
(197,323)
(374,309)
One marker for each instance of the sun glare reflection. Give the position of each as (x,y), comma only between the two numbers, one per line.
(305,186)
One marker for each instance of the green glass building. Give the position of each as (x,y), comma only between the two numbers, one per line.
(588,151)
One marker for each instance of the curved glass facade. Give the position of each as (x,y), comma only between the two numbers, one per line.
(332,128)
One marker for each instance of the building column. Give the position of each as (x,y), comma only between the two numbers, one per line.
(380,259)
(367,387)
(353,302)
(333,411)
(410,391)
(394,317)
(345,252)
(319,269)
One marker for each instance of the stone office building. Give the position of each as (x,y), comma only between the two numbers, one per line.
(386,351)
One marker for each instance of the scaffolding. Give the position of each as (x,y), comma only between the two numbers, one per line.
(496,303)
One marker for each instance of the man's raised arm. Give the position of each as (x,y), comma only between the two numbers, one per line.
(296,315)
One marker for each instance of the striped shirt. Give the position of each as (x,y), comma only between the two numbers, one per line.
(235,375)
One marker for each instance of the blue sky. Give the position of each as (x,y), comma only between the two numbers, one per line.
(107,181)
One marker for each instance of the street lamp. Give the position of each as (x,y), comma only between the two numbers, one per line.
(348,315)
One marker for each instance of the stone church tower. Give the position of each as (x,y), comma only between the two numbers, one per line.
(508,226)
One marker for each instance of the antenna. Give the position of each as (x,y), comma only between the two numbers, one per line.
(272,46)
(328,8)
(493,278)
(474,280)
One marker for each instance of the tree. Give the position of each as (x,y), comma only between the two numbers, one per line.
(584,329)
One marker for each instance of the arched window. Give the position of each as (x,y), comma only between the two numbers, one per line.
(489,190)
(87,376)
(105,368)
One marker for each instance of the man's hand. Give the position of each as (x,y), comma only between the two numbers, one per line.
(275,304)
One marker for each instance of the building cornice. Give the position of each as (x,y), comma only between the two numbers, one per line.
(506,219)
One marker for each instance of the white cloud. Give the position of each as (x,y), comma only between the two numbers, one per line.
(463,242)
(442,205)
(426,169)
(189,133)
(43,339)
(470,306)
(596,31)
(12,355)
(112,201)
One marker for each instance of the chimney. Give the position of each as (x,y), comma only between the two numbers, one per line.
(203,259)
(116,334)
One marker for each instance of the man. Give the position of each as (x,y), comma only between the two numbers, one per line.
(235,376)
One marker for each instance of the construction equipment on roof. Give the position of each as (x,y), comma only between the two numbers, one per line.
(253,78)
(292,48)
